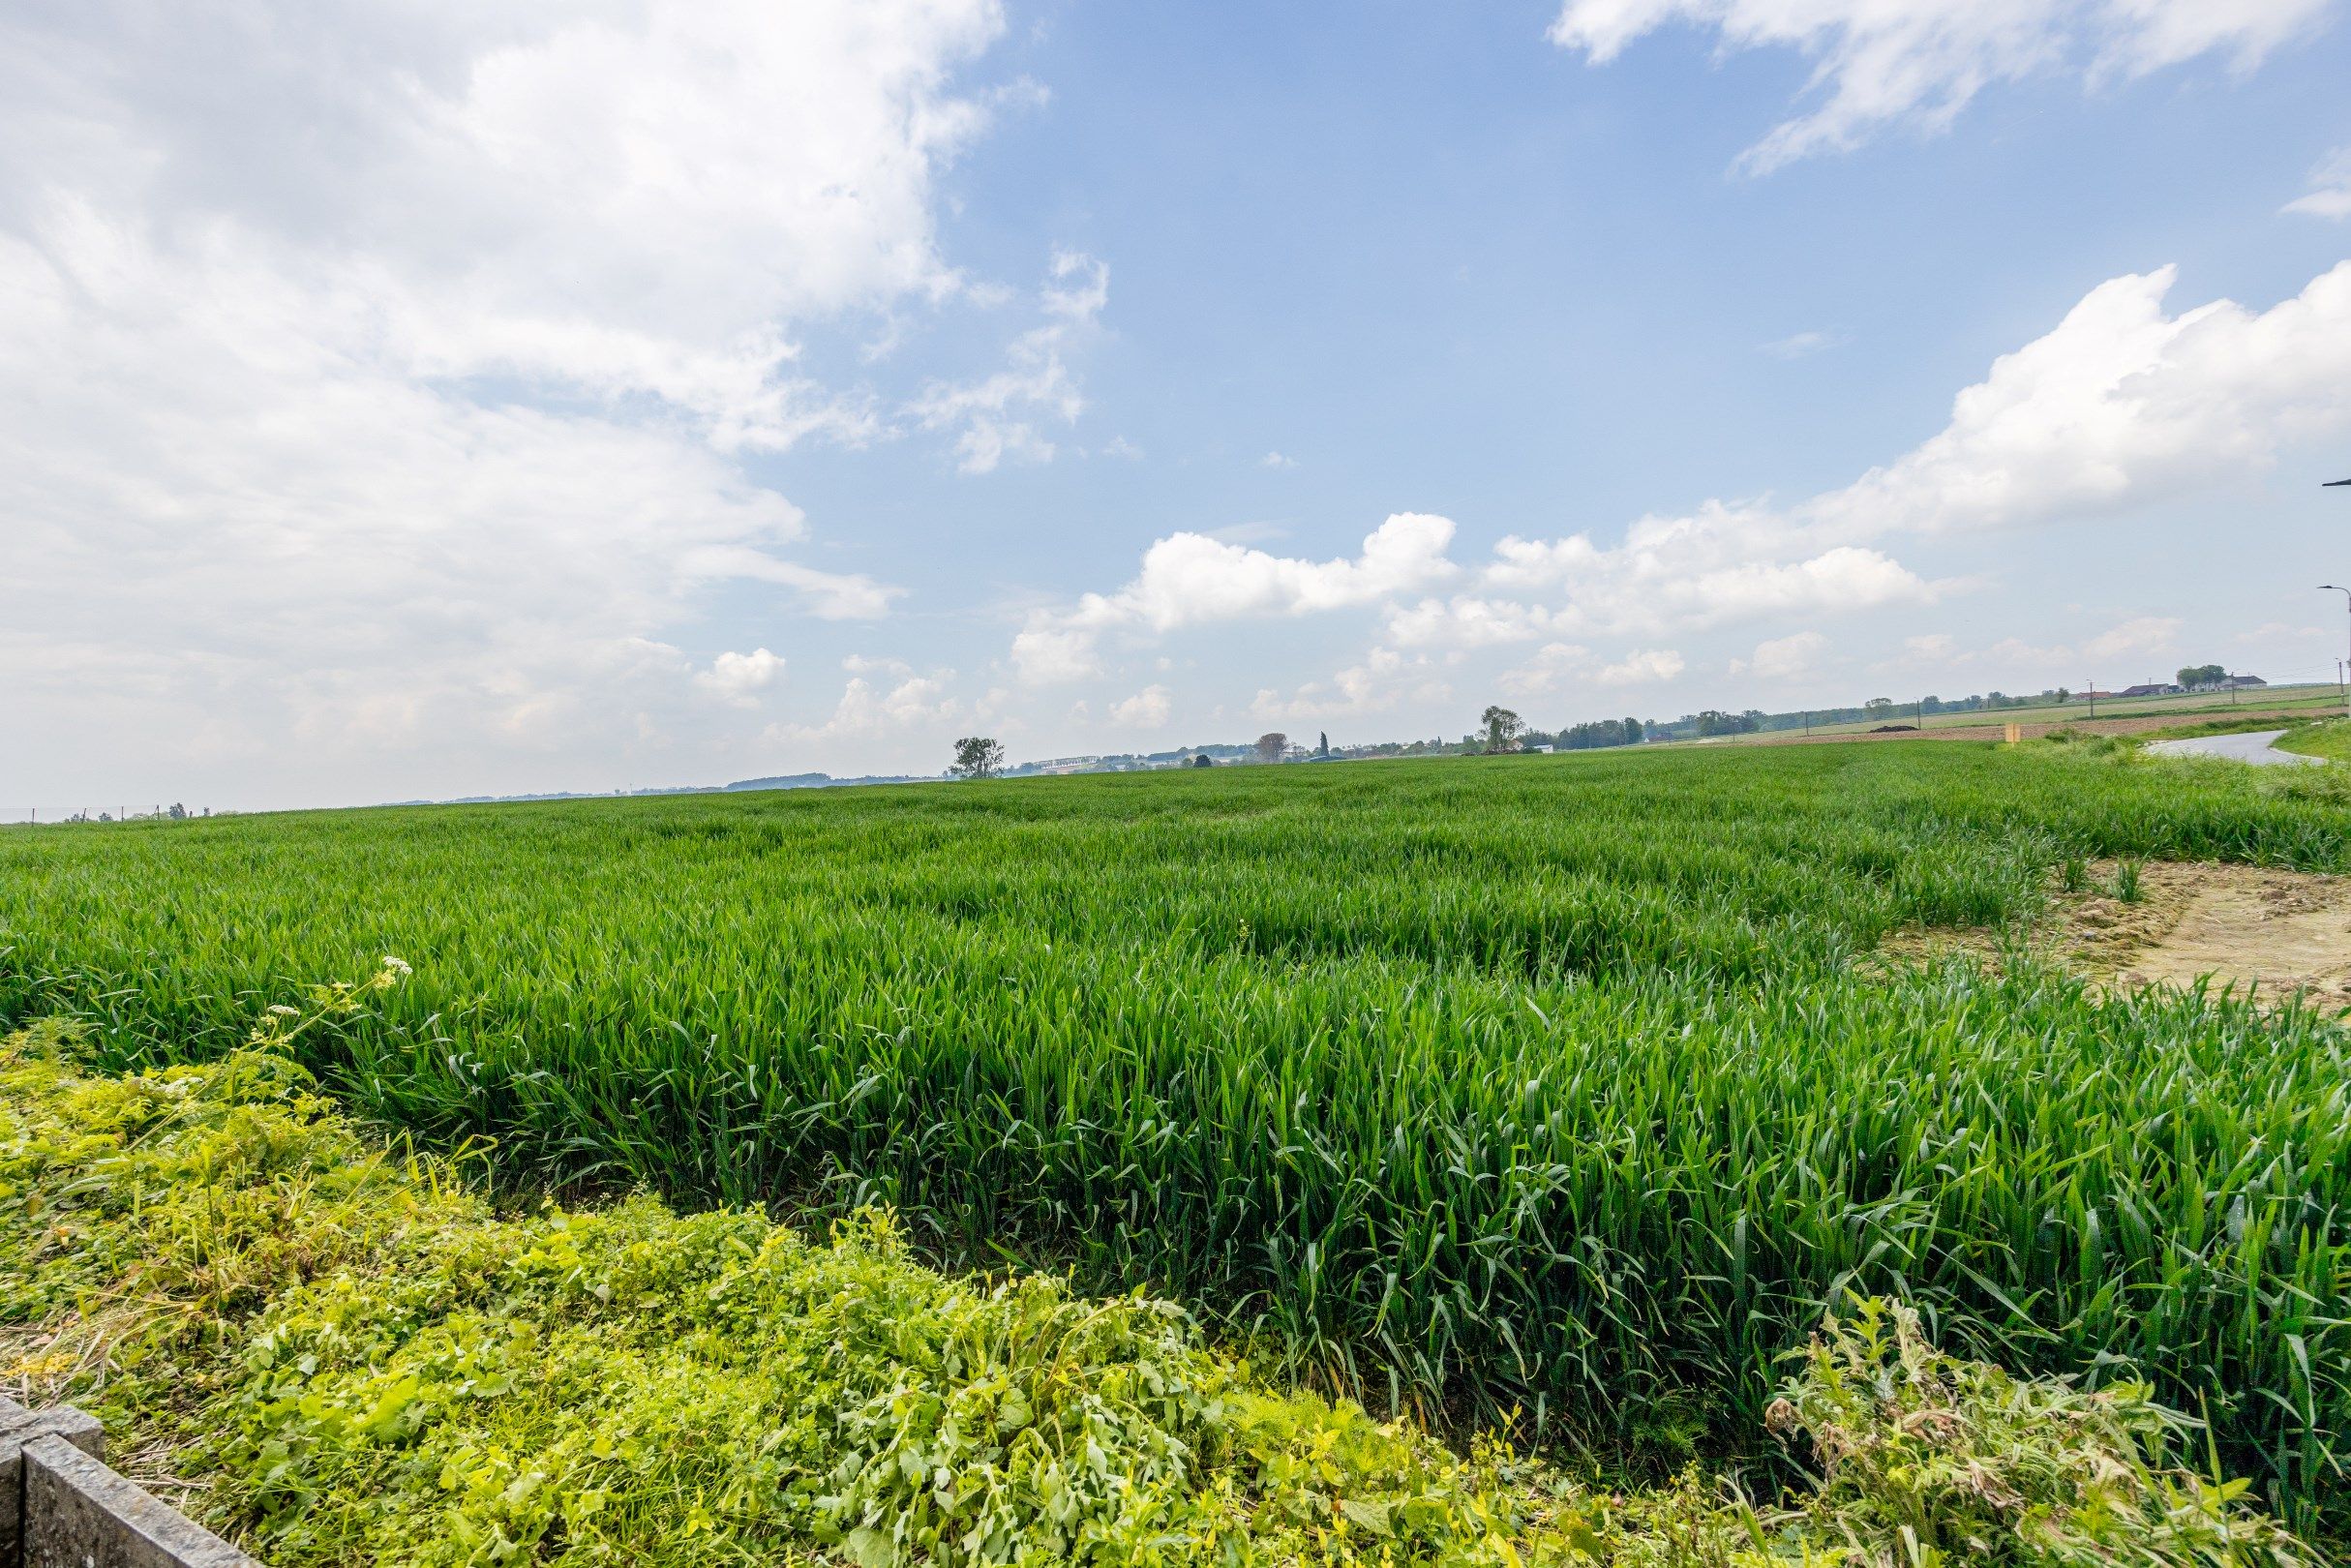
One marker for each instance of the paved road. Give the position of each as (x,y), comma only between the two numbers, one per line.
(2253,746)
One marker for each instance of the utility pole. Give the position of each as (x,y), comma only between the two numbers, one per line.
(2090,695)
(2337,587)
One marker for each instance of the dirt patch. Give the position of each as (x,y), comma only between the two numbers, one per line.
(2256,928)
(2280,931)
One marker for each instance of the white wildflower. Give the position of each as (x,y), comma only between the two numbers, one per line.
(285,1011)
(397,966)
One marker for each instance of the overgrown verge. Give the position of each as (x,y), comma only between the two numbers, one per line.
(2329,738)
(2190,729)
(350,1357)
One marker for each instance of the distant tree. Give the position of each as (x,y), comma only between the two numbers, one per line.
(1271,746)
(2202,675)
(178,813)
(1503,728)
(1877,707)
(1632,731)
(977,756)
(1203,760)
(2062,695)
(1322,743)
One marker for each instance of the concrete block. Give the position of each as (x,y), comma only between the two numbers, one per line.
(80,1514)
(19,1426)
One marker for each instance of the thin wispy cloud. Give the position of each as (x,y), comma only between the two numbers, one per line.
(1922,62)
(1801,345)
(2330,193)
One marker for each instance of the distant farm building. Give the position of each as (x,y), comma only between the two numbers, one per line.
(2157,688)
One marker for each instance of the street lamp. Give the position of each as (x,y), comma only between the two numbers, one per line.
(2346,593)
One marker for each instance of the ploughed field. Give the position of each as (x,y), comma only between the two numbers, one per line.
(1570,1084)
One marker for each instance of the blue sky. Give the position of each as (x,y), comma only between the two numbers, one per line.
(446,400)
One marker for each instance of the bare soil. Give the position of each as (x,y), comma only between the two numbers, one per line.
(2263,931)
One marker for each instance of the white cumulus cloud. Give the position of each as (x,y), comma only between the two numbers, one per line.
(740,678)
(376,373)
(1384,679)
(2140,635)
(1560,666)
(1189,578)
(1641,668)
(1146,709)
(867,709)
(1690,572)
(2131,644)
(2117,403)
(1780,658)
(1554,666)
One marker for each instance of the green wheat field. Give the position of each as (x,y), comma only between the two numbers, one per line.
(1569,1086)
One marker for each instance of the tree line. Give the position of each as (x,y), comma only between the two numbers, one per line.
(1502,730)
